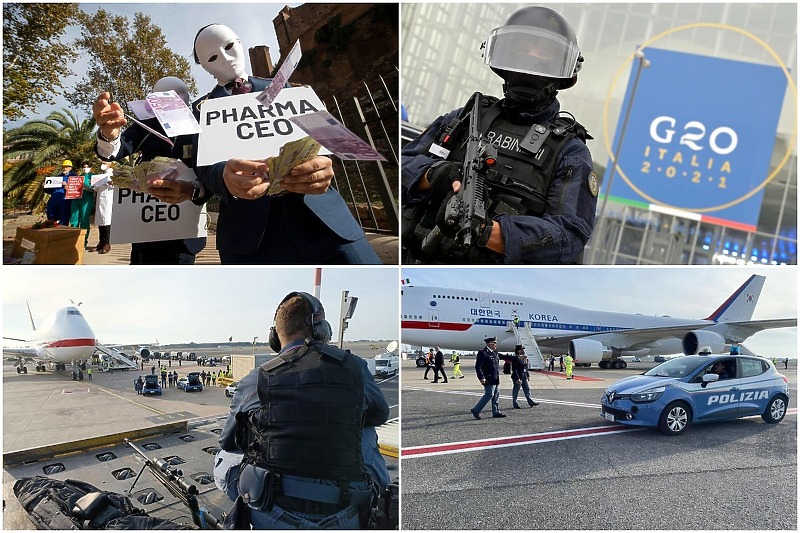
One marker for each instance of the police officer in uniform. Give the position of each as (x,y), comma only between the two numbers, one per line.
(300,469)
(542,192)
(487,367)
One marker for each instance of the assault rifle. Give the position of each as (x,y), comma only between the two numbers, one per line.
(465,217)
(178,485)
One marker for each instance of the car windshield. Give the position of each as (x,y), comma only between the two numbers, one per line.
(679,367)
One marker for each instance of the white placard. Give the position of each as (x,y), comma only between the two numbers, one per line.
(53,182)
(140,217)
(100,179)
(240,127)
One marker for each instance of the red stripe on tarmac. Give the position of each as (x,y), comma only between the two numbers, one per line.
(574,376)
(71,343)
(463,446)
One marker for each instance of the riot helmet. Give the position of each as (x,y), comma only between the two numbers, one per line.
(535,42)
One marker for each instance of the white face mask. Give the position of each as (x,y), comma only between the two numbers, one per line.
(221,53)
(86,169)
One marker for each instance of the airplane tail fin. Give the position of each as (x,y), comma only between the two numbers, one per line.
(740,305)
(30,315)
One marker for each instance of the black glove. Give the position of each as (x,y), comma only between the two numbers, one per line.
(441,179)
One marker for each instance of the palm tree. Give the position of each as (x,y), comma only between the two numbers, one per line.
(40,144)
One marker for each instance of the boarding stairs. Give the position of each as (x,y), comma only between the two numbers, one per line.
(114,360)
(525,338)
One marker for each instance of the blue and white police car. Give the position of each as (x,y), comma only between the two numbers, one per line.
(694,389)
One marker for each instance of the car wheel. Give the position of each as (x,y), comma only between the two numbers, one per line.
(420,363)
(776,410)
(674,419)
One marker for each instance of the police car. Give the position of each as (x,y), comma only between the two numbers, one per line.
(694,389)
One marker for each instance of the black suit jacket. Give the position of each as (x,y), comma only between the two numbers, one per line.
(137,139)
(242,223)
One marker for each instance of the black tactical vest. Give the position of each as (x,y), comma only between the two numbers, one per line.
(311,416)
(527,155)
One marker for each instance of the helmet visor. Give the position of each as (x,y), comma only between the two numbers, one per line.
(531,50)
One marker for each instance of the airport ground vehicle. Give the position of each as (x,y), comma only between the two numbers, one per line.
(687,390)
(151,385)
(191,382)
(231,389)
(386,365)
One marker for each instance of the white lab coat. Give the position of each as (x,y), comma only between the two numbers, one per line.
(105,199)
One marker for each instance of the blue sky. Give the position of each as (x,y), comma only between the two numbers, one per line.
(180,22)
(686,292)
(175,305)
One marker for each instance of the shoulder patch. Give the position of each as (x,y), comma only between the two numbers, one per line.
(594,188)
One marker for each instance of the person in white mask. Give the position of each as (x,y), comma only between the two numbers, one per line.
(311,226)
(114,144)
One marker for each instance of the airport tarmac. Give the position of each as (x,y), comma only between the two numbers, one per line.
(560,466)
(50,421)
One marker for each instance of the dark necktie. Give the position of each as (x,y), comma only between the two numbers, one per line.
(239,86)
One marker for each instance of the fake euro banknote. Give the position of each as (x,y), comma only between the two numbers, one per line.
(291,154)
(138,177)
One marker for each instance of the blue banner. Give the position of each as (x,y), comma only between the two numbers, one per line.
(700,135)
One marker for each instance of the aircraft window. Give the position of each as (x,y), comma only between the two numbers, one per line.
(752,367)
(73,312)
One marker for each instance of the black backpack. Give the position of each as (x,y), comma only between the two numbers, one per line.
(72,504)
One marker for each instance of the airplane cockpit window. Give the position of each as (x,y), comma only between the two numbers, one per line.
(73,312)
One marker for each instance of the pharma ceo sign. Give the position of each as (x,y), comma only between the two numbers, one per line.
(700,135)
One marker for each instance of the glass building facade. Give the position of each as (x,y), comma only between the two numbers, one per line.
(442,66)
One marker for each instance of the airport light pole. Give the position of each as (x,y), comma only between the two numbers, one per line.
(643,64)
(254,347)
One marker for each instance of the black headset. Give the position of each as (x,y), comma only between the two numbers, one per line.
(320,328)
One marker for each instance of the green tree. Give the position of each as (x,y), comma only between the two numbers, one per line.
(34,58)
(125,58)
(40,144)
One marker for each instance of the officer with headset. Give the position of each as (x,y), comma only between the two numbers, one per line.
(299,448)
(542,193)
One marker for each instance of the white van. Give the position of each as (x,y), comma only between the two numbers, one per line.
(387,365)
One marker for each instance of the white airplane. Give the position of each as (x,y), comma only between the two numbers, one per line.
(63,338)
(460,319)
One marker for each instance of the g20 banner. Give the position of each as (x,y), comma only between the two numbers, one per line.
(700,135)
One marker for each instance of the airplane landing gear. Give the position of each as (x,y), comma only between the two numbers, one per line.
(22,370)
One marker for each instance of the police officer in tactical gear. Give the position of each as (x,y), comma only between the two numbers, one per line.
(303,427)
(541,194)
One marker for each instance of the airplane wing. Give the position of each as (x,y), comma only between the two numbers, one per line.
(22,352)
(632,339)
(743,330)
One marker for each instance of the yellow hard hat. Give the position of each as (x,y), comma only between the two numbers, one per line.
(66,163)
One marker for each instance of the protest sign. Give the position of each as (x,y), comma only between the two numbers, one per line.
(74,187)
(53,182)
(140,217)
(241,127)
(100,179)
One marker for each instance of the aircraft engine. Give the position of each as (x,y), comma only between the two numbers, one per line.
(587,351)
(145,353)
(694,340)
